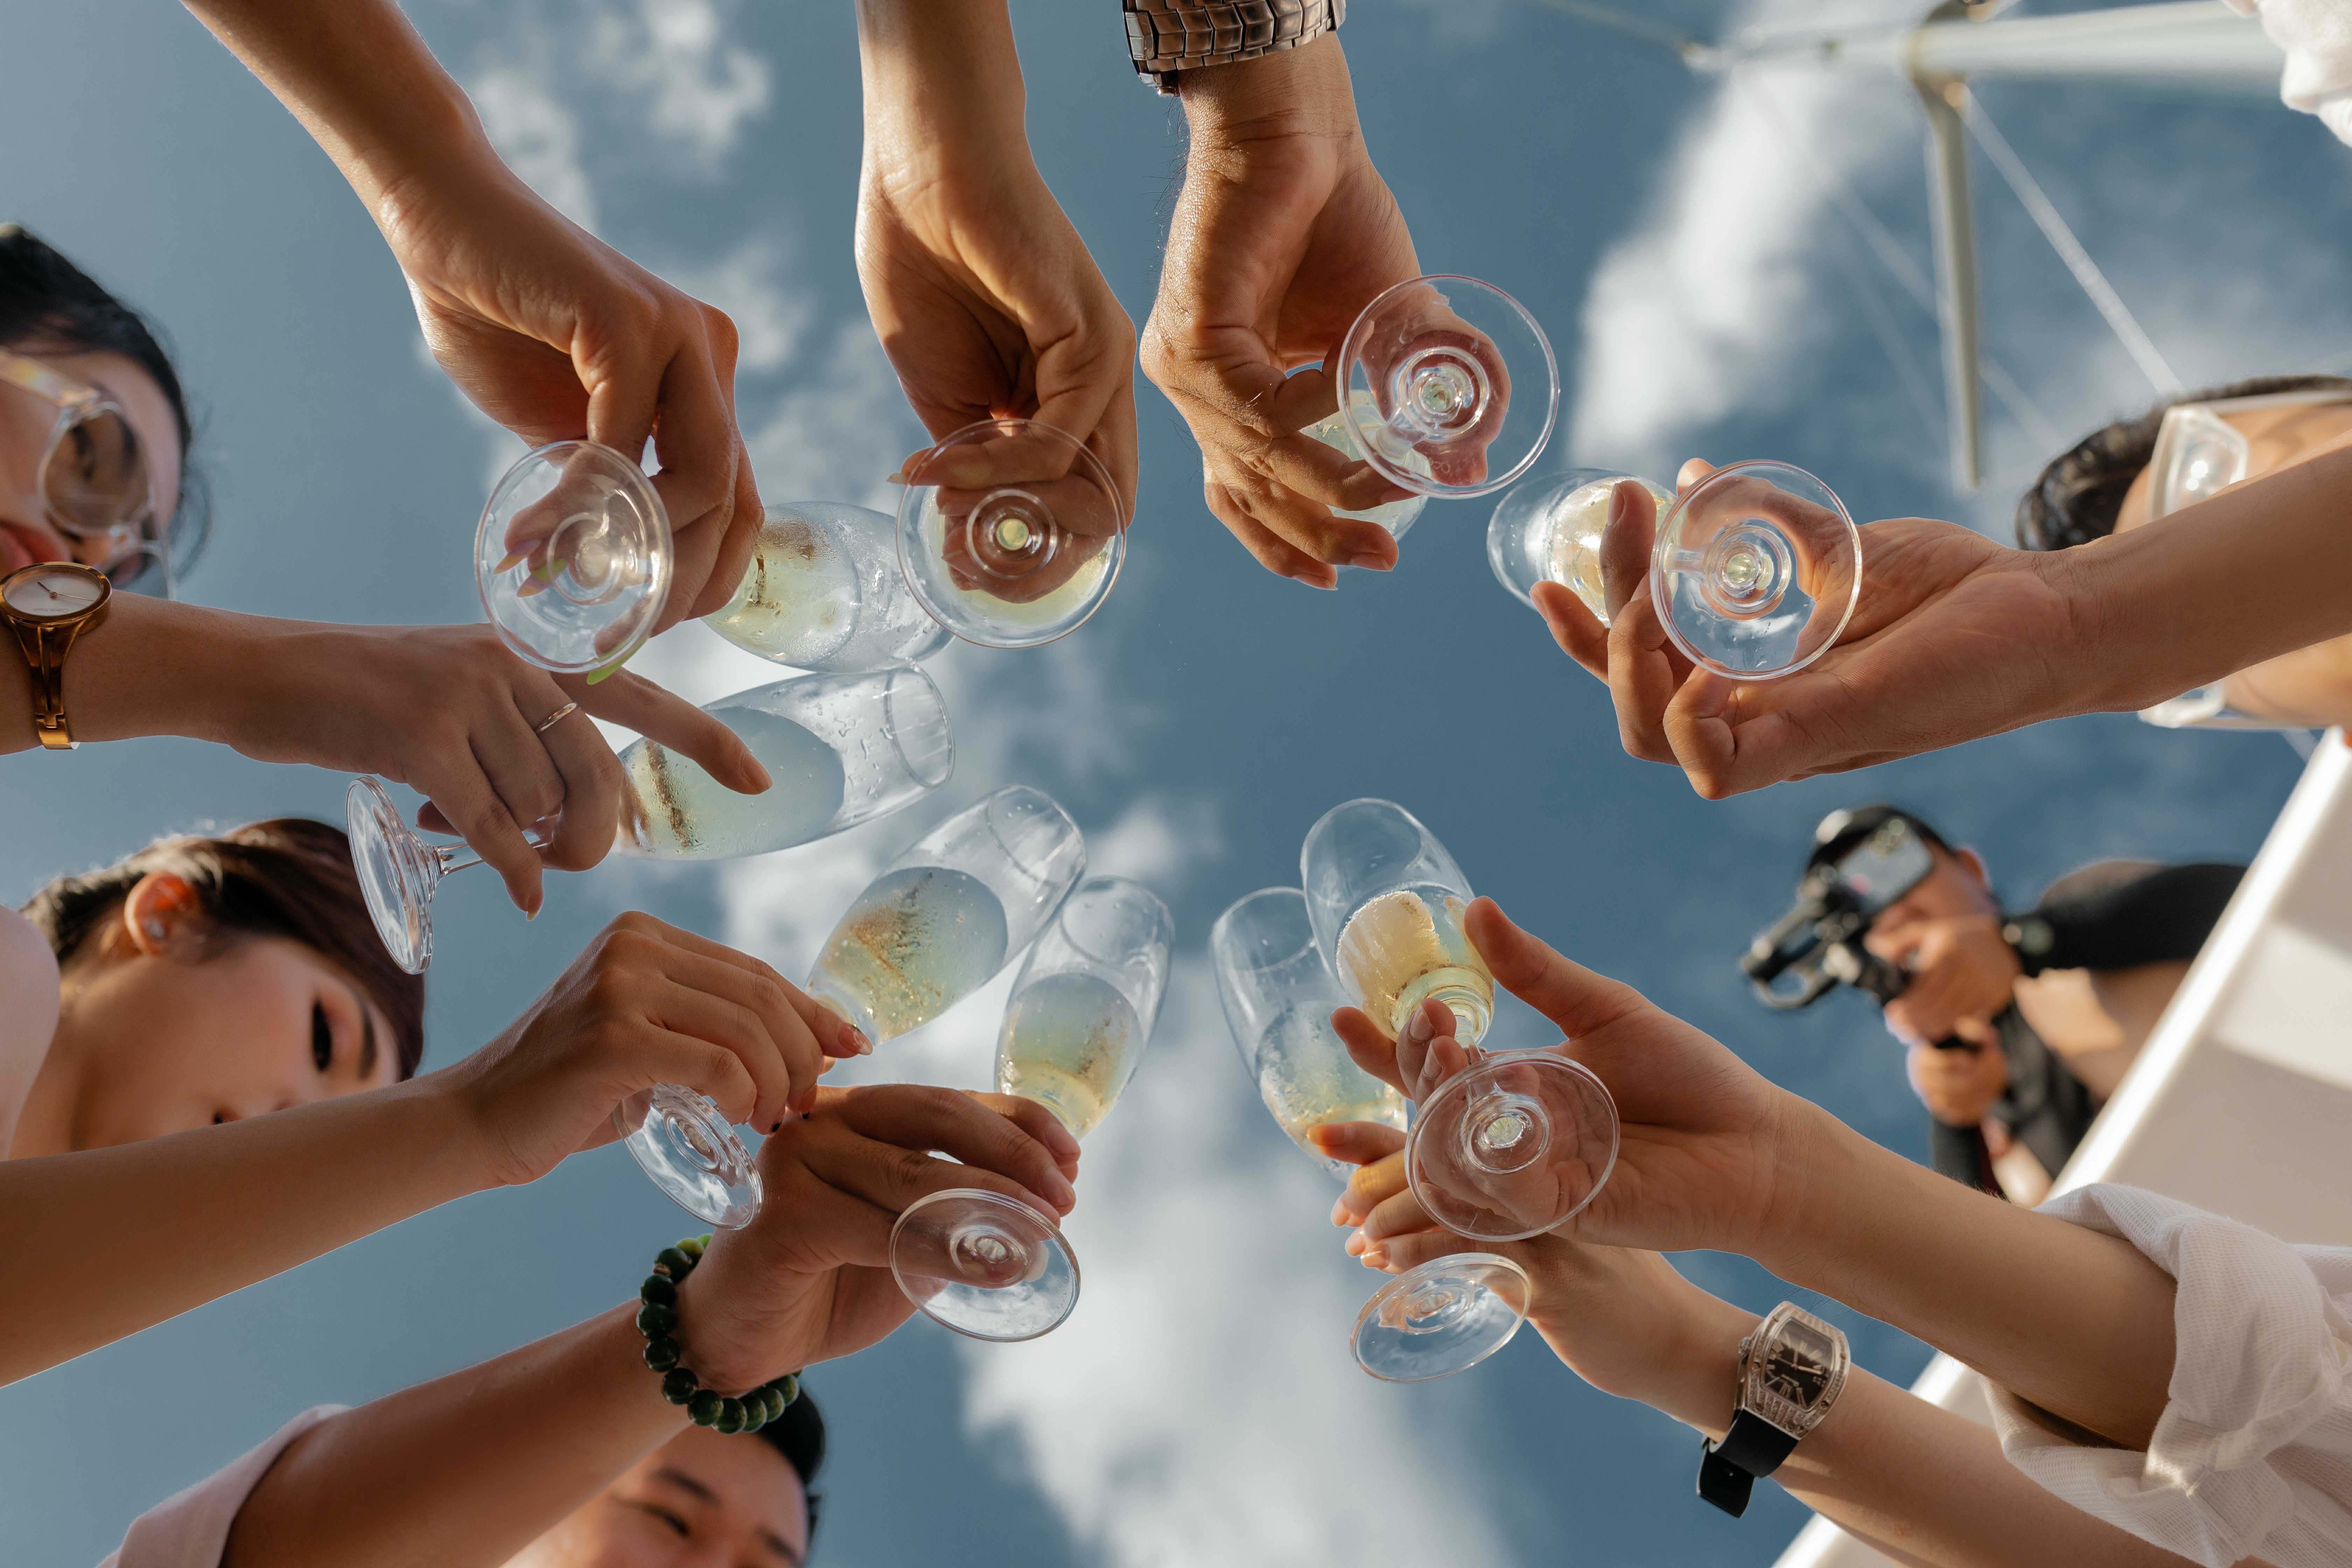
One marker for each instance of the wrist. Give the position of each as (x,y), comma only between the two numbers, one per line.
(940,82)
(1305,90)
(1820,1173)
(1701,1389)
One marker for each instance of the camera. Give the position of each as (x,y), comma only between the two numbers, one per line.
(1816,946)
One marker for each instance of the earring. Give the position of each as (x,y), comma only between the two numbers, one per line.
(153,928)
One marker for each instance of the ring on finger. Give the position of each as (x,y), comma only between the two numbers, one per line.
(552,720)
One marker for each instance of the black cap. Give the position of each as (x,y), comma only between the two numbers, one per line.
(1842,830)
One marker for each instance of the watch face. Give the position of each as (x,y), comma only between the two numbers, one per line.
(1799,1363)
(54,593)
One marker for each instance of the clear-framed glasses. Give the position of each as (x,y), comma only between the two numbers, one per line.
(2208,708)
(573,557)
(1075,1028)
(1508,1148)
(953,909)
(1278,998)
(97,482)
(825,591)
(1011,532)
(1447,387)
(2199,453)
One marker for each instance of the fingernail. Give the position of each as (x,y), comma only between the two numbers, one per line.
(1370,561)
(1616,503)
(1059,1189)
(514,558)
(1340,1212)
(1417,1027)
(1356,1245)
(1377,1257)
(776,1127)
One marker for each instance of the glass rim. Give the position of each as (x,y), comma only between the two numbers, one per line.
(1218,948)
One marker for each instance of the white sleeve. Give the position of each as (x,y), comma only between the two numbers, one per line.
(2316,37)
(190,1529)
(2252,1456)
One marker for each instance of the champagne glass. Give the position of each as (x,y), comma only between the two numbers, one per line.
(1757,570)
(1395,516)
(1080,1014)
(823,591)
(952,909)
(1548,530)
(1011,532)
(1507,1148)
(1447,386)
(1278,998)
(573,557)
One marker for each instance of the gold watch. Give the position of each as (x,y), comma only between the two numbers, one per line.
(48,604)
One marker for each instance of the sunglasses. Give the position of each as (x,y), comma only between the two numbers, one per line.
(2199,453)
(97,482)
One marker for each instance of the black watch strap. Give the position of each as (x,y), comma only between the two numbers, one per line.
(1728,1470)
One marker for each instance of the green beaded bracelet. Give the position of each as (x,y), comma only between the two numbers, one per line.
(657,1320)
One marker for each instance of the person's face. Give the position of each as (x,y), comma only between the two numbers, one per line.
(2280,438)
(704,1499)
(1957,886)
(27,532)
(162,1042)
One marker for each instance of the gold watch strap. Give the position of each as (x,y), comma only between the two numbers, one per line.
(1165,36)
(45,649)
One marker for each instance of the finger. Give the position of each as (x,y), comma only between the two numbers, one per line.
(592,783)
(1357,1142)
(472,808)
(1396,1254)
(694,439)
(742,1029)
(711,1069)
(1397,1215)
(1038,1122)
(1428,1024)
(1309,525)
(918,1118)
(623,394)
(1370,1049)
(1575,999)
(1368,1188)
(1704,731)
(1446,1061)
(515,759)
(1580,634)
(636,703)
(837,1037)
(735,550)
(1274,553)
(1627,544)
(1694,471)
(1641,680)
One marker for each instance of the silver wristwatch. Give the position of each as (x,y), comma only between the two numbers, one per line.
(1164,36)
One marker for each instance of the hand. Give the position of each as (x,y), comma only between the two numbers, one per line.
(1283,233)
(1953,637)
(1623,1321)
(451,712)
(556,335)
(1706,1145)
(984,296)
(809,1279)
(1959,1087)
(1962,974)
(644,1003)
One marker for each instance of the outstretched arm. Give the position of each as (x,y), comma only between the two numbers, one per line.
(549,331)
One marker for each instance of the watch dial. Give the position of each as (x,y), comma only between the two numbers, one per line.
(1799,1363)
(50,595)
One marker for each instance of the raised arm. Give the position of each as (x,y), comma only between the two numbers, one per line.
(550,332)
(180,1220)
(465,1471)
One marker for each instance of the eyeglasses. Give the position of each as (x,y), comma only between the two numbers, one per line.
(2199,453)
(97,481)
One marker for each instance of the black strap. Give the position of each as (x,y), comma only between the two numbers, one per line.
(1727,1470)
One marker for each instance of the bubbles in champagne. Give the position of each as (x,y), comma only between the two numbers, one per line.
(1399,949)
(1070,1042)
(675,809)
(915,943)
(1307,1079)
(798,601)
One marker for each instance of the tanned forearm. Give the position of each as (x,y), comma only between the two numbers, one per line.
(128,1237)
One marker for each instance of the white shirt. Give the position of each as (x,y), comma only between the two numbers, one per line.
(2317,37)
(2252,1456)
(190,1529)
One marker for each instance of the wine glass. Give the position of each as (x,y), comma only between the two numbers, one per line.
(1395,516)
(1080,1014)
(1507,1148)
(1278,998)
(1447,386)
(573,557)
(952,909)
(1757,570)
(1548,530)
(1011,532)
(825,591)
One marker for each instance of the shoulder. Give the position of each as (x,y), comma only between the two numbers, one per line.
(29,986)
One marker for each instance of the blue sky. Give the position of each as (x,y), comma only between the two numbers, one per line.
(1200,1407)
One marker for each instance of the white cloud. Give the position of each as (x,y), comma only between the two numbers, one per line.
(699,91)
(771,313)
(842,430)
(537,135)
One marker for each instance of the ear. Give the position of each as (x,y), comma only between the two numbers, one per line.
(1974,865)
(159,911)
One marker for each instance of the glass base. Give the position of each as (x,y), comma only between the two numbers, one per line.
(572,557)
(1756,570)
(1447,386)
(1444,1317)
(683,1143)
(984,1266)
(1513,1146)
(397,872)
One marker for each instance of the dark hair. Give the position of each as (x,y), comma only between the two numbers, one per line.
(46,302)
(799,1436)
(290,878)
(2078,495)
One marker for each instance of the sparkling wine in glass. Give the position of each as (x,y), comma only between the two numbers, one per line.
(1548,530)
(1395,516)
(954,908)
(1011,532)
(1447,386)
(1278,998)
(1386,903)
(825,591)
(1080,1014)
(572,557)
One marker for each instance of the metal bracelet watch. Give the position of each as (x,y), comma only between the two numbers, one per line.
(1791,1370)
(47,605)
(1165,36)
